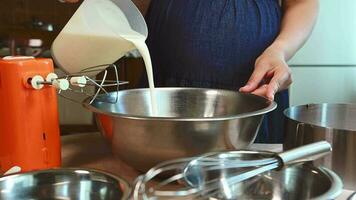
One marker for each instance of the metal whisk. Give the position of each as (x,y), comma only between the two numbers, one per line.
(82,80)
(213,173)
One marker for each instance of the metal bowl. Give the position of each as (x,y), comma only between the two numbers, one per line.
(64,184)
(190,121)
(303,181)
(292,183)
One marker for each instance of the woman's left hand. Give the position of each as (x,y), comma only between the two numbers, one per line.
(271,75)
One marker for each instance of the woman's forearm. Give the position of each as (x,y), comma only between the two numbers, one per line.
(299,17)
(142,5)
(272,73)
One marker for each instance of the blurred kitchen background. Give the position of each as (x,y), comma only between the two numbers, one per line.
(323,71)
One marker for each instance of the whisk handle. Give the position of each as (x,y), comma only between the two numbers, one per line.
(307,152)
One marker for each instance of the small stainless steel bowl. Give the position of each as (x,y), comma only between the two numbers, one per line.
(303,181)
(64,184)
(190,121)
(292,183)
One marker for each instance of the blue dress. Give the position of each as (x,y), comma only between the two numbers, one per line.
(214,44)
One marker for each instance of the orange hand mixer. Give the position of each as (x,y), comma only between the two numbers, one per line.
(29,129)
(29,125)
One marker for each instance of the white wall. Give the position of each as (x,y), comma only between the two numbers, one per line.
(333,41)
(324,70)
(323,84)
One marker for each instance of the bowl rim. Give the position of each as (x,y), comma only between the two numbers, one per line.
(272,105)
(127,190)
(336,185)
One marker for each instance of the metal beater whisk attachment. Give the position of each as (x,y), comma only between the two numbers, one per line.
(214,174)
(147,188)
(194,178)
(80,81)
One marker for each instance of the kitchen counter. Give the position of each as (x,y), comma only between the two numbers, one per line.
(92,151)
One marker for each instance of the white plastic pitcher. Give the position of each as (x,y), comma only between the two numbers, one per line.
(95,35)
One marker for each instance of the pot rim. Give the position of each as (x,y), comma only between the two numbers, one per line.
(272,105)
(285,113)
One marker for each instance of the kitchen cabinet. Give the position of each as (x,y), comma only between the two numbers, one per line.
(18,19)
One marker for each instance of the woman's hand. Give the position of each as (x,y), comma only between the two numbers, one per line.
(271,74)
(142,5)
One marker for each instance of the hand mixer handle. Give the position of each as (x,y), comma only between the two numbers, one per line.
(304,153)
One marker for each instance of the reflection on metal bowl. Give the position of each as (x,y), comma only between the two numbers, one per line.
(292,183)
(335,123)
(190,121)
(64,184)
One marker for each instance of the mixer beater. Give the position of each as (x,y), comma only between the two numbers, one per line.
(77,82)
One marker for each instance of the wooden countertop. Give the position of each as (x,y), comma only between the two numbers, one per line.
(92,151)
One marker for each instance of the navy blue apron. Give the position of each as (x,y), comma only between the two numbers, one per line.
(214,44)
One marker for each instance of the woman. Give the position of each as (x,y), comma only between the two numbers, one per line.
(230,44)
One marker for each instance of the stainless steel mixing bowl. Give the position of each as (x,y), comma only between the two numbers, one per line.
(291,183)
(190,121)
(64,184)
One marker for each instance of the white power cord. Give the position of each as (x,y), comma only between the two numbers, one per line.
(13,170)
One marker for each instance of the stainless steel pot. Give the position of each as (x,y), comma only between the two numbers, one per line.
(190,121)
(335,123)
(64,184)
